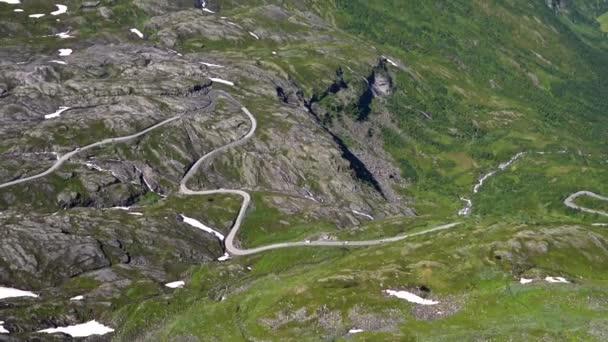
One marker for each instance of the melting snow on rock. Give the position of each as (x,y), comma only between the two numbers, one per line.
(176,284)
(525,281)
(36,16)
(224,257)
(199,225)
(363,214)
(57,113)
(81,330)
(65,52)
(64,35)
(254,35)
(410,297)
(556,280)
(11,2)
(3,329)
(7,292)
(18,10)
(58,62)
(61,9)
(219,80)
(212,65)
(137,32)
(355,331)
(77,298)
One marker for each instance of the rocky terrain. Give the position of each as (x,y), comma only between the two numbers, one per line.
(364,132)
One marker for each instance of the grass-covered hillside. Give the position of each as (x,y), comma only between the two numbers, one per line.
(375,118)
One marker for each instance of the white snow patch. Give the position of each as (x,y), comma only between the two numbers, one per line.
(3,329)
(18,10)
(410,297)
(525,281)
(137,32)
(64,35)
(274,52)
(600,224)
(355,331)
(61,9)
(7,292)
(224,257)
(121,208)
(11,2)
(136,214)
(207,10)
(57,113)
(219,80)
(233,24)
(65,52)
(196,224)
(36,16)
(390,61)
(176,284)
(556,280)
(77,298)
(363,214)
(81,330)
(58,62)
(212,65)
(254,35)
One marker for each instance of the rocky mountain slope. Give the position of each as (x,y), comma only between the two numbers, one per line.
(374,119)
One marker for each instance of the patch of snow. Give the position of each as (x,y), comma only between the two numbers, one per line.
(254,35)
(18,10)
(7,292)
(196,224)
(57,113)
(176,284)
(175,52)
(121,208)
(136,214)
(58,62)
(137,32)
(207,10)
(212,65)
(410,297)
(64,35)
(219,80)
(600,224)
(233,24)
(36,16)
(274,52)
(81,330)
(355,331)
(363,214)
(224,257)
(61,9)
(556,280)
(11,2)
(65,52)
(77,298)
(525,281)
(3,329)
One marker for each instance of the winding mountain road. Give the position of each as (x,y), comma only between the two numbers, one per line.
(183,187)
(569,202)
